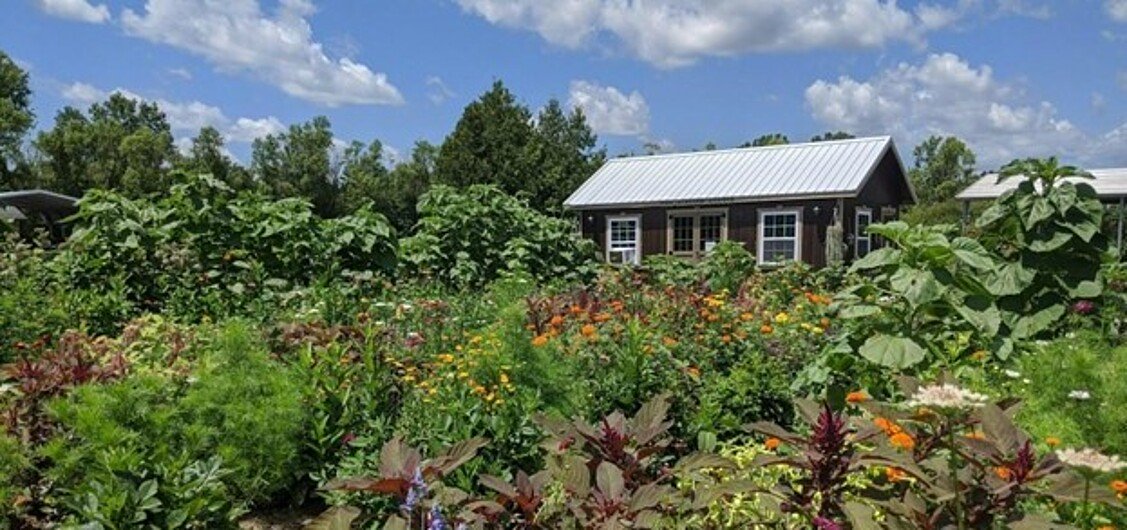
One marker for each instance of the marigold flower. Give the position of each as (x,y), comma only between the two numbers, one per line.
(557,320)
(888,426)
(825,322)
(726,339)
(902,440)
(975,435)
(669,341)
(1119,487)
(540,340)
(1052,441)
(446,358)
(575,309)
(1106,527)
(504,378)
(588,330)
(602,317)
(745,316)
(1003,472)
(693,371)
(782,318)
(772,443)
(895,474)
(766,329)
(858,396)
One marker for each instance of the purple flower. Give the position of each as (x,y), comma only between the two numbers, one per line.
(436,520)
(417,492)
(823,523)
(1083,307)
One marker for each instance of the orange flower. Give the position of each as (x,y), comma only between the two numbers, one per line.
(1003,472)
(557,320)
(895,474)
(726,339)
(857,397)
(588,330)
(1106,527)
(1119,487)
(766,329)
(902,441)
(888,426)
(772,443)
(540,340)
(669,341)
(745,316)
(1052,441)
(575,309)
(975,435)
(693,371)
(602,317)
(825,322)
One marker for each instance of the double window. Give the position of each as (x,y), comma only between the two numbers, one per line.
(863,242)
(780,236)
(693,233)
(624,239)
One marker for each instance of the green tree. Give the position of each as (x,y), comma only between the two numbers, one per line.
(16,119)
(562,155)
(490,144)
(828,136)
(943,167)
(299,163)
(768,139)
(119,144)
(207,156)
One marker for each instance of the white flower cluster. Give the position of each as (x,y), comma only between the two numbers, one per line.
(946,396)
(1091,459)
(1080,395)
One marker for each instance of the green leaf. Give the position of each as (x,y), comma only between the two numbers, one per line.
(878,258)
(1009,279)
(858,311)
(917,286)
(1040,211)
(893,352)
(972,253)
(1029,326)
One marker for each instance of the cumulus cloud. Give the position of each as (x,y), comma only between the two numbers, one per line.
(185,118)
(80,10)
(945,95)
(609,110)
(237,36)
(1116,9)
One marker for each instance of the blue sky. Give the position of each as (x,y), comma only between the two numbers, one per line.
(1013,77)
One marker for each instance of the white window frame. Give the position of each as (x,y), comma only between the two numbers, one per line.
(695,215)
(637,220)
(858,235)
(797,212)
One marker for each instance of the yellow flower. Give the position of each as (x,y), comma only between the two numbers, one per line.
(446,358)
(745,316)
(782,318)
(1052,441)
(817,330)
(588,330)
(504,378)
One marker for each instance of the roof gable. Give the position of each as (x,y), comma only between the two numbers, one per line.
(1108,183)
(833,168)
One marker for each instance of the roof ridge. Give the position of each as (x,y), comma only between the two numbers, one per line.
(883,138)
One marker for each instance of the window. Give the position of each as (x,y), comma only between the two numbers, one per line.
(624,240)
(780,236)
(863,242)
(693,233)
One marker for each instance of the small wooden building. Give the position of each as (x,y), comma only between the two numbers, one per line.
(779,201)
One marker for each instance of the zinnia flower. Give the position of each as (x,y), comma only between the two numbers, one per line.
(766,329)
(1083,307)
(540,340)
(858,396)
(946,396)
(895,474)
(902,440)
(1119,487)
(888,426)
(588,330)
(1092,460)
(772,443)
(1003,472)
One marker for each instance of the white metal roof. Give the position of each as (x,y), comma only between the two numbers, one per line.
(824,169)
(1108,183)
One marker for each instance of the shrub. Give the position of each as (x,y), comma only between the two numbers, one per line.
(470,237)
(757,388)
(727,266)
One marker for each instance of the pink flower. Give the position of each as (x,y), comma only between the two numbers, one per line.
(1083,307)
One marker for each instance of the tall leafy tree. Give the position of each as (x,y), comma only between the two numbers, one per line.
(16,119)
(489,144)
(299,163)
(119,144)
(562,155)
(208,156)
(828,136)
(943,166)
(768,139)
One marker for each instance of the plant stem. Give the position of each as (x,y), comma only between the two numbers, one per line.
(1087,491)
(953,468)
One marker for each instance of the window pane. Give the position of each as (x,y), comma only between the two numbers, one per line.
(623,233)
(779,250)
(710,230)
(682,234)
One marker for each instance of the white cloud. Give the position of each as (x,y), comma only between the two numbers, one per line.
(439,92)
(1099,102)
(1116,9)
(236,36)
(80,10)
(185,118)
(609,111)
(182,73)
(947,96)
(671,33)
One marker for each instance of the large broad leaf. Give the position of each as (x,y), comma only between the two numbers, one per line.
(1000,429)
(893,352)
(918,287)
(1029,326)
(1078,288)
(878,258)
(1049,240)
(858,311)
(972,253)
(1009,279)
(458,454)
(1041,210)
(609,480)
(861,517)
(335,518)
(981,313)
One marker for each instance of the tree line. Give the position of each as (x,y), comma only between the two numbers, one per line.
(127,145)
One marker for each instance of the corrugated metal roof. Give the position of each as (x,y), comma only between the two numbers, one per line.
(1108,183)
(833,168)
